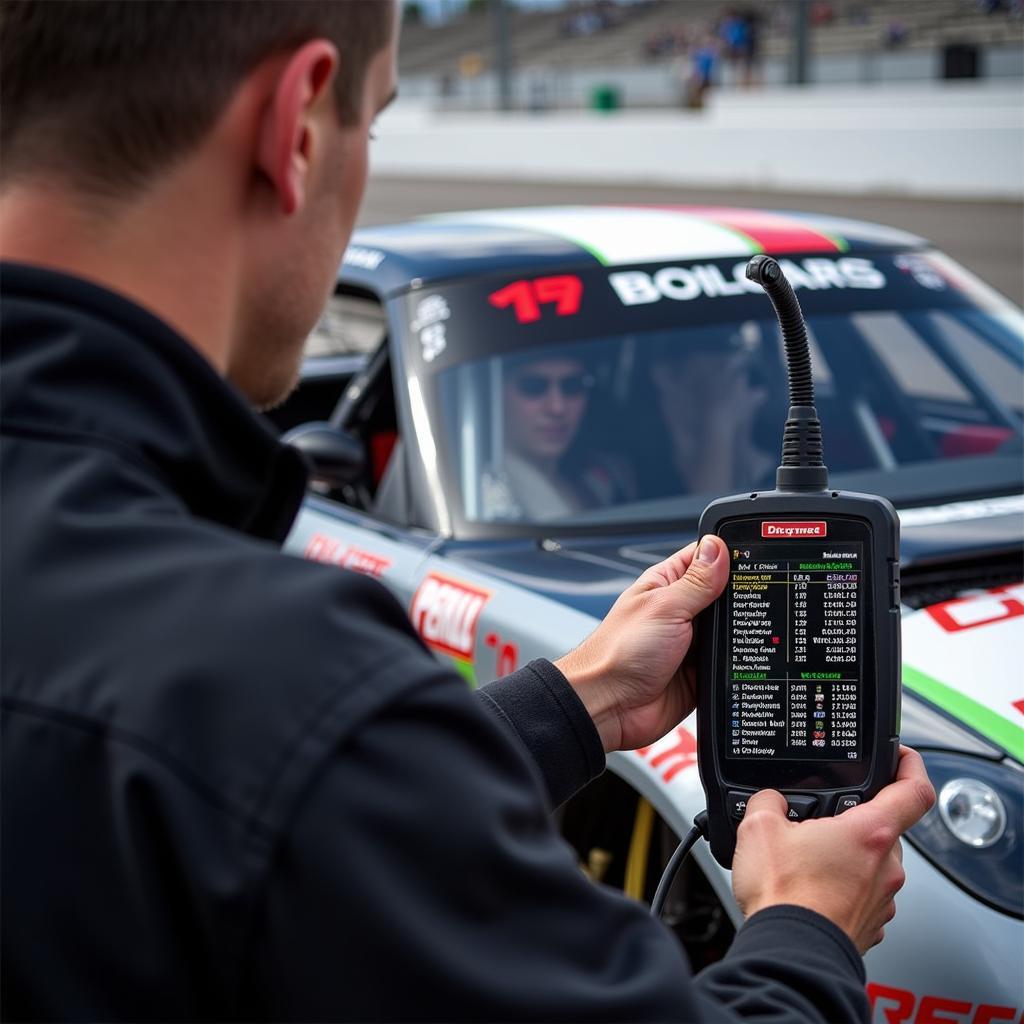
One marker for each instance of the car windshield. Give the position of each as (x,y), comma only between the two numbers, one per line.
(677,393)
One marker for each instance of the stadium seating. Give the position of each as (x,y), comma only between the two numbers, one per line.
(540,39)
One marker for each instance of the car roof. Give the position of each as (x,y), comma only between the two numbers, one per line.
(391,258)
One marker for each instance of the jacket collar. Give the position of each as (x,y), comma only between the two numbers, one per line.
(82,362)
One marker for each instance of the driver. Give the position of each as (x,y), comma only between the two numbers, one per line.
(544,474)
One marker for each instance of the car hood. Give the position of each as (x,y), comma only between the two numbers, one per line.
(962,632)
(945,550)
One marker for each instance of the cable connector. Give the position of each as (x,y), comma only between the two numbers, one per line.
(700,822)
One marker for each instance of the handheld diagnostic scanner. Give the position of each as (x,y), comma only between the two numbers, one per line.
(799,677)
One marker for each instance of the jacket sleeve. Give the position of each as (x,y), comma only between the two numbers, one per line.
(422,879)
(539,706)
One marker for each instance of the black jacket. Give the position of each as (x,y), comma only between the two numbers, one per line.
(235,785)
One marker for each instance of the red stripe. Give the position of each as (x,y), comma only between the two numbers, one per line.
(773,232)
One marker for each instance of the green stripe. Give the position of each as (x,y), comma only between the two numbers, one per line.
(986,721)
(840,243)
(566,237)
(465,669)
(755,246)
(562,235)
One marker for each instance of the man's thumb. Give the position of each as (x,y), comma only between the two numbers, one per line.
(769,800)
(705,577)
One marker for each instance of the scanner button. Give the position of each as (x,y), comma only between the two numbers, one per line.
(737,804)
(846,801)
(801,807)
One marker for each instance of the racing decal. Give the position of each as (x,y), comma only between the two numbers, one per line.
(791,529)
(774,233)
(431,314)
(622,235)
(960,655)
(857,232)
(619,235)
(526,297)
(959,511)
(508,654)
(682,284)
(991,712)
(922,271)
(365,259)
(672,753)
(322,548)
(900,1006)
(979,609)
(445,613)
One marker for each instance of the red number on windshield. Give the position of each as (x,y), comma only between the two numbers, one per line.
(526,297)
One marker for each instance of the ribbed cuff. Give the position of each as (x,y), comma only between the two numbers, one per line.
(549,718)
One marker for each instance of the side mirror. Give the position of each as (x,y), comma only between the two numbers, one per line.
(338,457)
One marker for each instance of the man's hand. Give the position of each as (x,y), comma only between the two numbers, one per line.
(630,672)
(848,868)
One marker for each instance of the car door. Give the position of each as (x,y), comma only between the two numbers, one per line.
(348,384)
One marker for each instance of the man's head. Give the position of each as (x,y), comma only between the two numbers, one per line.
(246,122)
(544,402)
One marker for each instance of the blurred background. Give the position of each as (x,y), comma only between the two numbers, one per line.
(905,112)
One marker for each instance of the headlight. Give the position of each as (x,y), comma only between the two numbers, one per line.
(973,812)
(975,832)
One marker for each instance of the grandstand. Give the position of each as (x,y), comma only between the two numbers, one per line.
(603,34)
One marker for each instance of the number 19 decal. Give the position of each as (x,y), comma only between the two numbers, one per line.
(526,297)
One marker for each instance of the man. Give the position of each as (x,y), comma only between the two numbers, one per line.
(234,783)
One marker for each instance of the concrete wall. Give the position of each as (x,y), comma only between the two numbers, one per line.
(958,140)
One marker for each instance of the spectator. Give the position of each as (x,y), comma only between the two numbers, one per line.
(704,60)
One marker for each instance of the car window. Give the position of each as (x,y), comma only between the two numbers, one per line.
(543,416)
(915,368)
(994,366)
(349,325)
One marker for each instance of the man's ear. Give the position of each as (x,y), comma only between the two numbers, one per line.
(286,134)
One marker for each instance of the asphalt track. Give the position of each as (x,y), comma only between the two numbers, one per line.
(987,237)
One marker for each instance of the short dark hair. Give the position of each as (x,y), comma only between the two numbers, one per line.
(108,92)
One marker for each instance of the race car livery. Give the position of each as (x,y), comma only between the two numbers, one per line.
(538,394)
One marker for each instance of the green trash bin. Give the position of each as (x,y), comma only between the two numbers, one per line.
(605,97)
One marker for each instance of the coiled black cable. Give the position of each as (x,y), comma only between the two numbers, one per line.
(802,467)
(766,272)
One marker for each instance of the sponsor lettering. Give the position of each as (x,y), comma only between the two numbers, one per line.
(429,325)
(790,529)
(445,613)
(331,551)
(367,259)
(672,753)
(995,605)
(507,655)
(898,1005)
(682,284)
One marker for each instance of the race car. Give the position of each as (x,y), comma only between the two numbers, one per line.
(511,413)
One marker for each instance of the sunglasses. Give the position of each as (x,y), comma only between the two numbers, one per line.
(535,385)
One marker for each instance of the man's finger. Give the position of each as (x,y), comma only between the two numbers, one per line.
(905,801)
(769,800)
(704,579)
